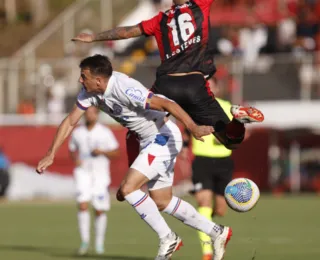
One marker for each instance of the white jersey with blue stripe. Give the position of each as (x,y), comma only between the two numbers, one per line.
(127,101)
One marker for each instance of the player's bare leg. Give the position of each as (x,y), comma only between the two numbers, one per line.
(148,211)
(84,227)
(185,212)
(220,206)
(100,230)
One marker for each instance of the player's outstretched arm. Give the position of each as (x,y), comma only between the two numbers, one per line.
(118,33)
(63,132)
(173,108)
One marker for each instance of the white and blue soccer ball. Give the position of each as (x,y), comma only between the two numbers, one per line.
(241,194)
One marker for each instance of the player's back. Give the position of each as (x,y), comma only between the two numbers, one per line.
(183,38)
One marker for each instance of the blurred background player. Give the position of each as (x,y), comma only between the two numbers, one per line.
(92,146)
(4,173)
(212,170)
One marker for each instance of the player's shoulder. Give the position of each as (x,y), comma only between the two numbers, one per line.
(124,80)
(118,74)
(78,130)
(103,129)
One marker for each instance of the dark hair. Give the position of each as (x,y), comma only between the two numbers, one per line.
(98,65)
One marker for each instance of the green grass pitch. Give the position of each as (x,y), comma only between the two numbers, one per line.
(277,229)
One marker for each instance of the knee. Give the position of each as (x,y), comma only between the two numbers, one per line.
(83,206)
(162,204)
(126,189)
(99,212)
(221,212)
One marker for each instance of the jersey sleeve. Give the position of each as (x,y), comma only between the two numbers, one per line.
(83,100)
(148,27)
(137,96)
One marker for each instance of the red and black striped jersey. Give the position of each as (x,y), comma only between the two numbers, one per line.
(183,39)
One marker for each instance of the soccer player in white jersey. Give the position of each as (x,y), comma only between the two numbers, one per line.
(92,146)
(135,107)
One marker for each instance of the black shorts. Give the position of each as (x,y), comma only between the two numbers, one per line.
(192,94)
(211,173)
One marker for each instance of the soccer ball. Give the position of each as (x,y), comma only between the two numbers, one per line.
(241,194)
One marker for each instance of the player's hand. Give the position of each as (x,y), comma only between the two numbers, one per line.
(44,163)
(83,37)
(96,152)
(199,131)
(78,163)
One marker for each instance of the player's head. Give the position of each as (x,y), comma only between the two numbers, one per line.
(91,116)
(95,72)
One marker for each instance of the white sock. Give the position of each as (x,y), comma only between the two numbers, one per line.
(149,212)
(84,225)
(185,212)
(100,229)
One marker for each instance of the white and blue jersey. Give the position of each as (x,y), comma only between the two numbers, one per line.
(127,101)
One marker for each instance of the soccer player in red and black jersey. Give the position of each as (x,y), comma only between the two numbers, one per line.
(183,37)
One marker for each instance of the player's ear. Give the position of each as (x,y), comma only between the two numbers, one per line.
(98,81)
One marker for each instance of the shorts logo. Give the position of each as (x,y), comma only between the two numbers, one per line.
(100,197)
(161,139)
(117,109)
(135,94)
(143,216)
(150,158)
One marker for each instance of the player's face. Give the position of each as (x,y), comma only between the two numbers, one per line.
(91,115)
(88,81)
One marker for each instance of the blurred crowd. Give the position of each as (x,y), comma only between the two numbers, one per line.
(266,26)
(250,27)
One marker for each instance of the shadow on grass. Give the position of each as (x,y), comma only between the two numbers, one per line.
(57,252)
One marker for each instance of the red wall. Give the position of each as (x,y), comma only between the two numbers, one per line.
(29,144)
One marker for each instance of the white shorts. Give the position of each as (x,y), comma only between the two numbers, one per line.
(158,156)
(92,187)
